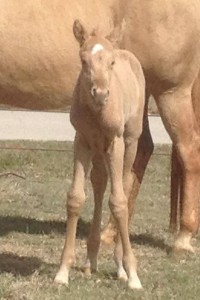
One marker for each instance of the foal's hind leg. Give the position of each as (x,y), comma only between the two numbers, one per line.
(99,182)
(178,116)
(144,151)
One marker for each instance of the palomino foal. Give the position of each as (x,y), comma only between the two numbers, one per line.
(107,113)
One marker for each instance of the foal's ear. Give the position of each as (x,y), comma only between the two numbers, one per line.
(80,32)
(116,36)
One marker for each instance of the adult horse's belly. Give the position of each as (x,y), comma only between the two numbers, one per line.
(165,37)
(39,58)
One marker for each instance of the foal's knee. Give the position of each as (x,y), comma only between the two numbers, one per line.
(118,205)
(75,200)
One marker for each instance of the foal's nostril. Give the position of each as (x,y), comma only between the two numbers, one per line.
(100,94)
(93,91)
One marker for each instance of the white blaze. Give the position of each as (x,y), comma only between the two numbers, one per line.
(97,48)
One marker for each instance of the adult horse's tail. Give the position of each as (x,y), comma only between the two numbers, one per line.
(175,197)
(176,171)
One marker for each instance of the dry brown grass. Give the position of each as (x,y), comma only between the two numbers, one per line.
(32,227)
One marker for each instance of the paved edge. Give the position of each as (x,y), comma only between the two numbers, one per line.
(46,126)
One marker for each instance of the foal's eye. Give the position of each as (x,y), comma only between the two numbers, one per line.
(112,63)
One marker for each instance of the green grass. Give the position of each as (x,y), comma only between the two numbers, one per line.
(32,227)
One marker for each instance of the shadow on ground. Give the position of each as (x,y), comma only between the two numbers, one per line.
(33,226)
(20,265)
(150,240)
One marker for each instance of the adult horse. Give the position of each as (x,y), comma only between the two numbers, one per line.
(38,51)
(165,69)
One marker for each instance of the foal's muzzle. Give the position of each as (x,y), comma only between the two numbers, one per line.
(100,95)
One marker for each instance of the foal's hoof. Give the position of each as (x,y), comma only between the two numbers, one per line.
(62,277)
(134,282)
(121,275)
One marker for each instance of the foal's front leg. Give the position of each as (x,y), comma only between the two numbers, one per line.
(75,200)
(99,182)
(131,143)
(119,208)
(144,152)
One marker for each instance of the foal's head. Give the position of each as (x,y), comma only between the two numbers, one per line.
(97,58)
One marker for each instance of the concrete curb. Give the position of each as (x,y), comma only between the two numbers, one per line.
(46,126)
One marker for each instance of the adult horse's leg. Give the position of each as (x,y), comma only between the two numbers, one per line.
(176,171)
(177,113)
(144,151)
(99,182)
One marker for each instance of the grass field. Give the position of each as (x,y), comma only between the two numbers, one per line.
(32,227)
